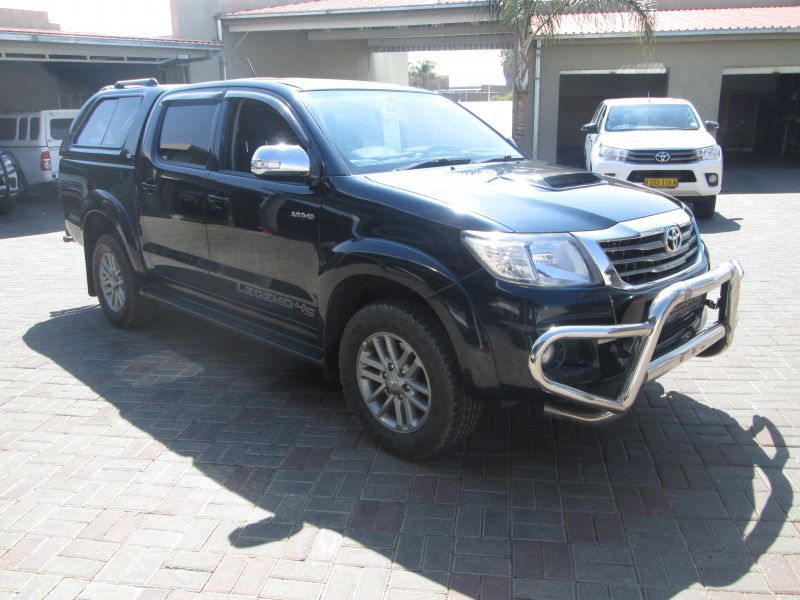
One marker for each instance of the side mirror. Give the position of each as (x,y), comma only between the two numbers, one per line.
(711,125)
(590,128)
(279,161)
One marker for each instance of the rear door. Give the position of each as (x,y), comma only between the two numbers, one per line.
(56,126)
(173,188)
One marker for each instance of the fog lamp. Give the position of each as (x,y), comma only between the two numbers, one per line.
(712,178)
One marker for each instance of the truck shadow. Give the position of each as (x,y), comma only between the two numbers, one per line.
(677,492)
(32,216)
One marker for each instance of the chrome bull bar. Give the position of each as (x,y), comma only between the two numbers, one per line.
(715,338)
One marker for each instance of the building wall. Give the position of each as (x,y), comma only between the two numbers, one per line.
(280,54)
(694,67)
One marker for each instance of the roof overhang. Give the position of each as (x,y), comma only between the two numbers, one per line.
(22,45)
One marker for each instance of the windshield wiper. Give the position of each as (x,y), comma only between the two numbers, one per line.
(506,158)
(436,162)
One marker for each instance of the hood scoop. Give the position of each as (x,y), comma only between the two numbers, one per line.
(566,181)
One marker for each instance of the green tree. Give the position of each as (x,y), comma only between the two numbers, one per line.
(529,20)
(422,73)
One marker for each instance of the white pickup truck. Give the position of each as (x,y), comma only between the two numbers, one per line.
(660,143)
(34,139)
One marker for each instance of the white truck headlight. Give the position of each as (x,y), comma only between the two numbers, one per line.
(710,152)
(609,153)
(547,259)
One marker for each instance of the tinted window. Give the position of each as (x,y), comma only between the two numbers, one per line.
(8,129)
(58,128)
(255,124)
(108,124)
(23,129)
(95,128)
(34,132)
(186,133)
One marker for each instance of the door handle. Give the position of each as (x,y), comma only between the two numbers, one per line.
(149,186)
(218,201)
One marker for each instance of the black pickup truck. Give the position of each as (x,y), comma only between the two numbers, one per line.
(396,240)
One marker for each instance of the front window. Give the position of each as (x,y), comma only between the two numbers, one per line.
(637,117)
(383,130)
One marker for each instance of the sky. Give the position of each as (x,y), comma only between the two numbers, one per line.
(152,18)
(111,17)
(465,67)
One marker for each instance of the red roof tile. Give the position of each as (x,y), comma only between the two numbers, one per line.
(689,21)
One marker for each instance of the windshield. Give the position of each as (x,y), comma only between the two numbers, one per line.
(636,117)
(380,130)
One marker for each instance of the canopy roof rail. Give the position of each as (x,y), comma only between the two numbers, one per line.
(148,82)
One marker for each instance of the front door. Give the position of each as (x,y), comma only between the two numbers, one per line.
(263,235)
(174,193)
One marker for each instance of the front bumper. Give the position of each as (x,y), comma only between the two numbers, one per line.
(632,172)
(586,407)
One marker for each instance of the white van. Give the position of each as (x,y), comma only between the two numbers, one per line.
(34,139)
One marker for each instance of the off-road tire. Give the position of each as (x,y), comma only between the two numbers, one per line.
(136,310)
(453,414)
(705,208)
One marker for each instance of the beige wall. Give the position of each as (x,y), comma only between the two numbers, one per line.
(280,54)
(694,66)
(291,54)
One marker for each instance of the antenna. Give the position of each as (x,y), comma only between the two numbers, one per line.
(251,67)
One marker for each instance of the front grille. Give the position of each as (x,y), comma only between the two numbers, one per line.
(644,259)
(681,176)
(648,157)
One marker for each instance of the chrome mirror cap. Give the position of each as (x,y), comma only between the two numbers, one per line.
(281,160)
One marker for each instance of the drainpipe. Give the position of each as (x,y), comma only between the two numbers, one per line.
(223,69)
(536,87)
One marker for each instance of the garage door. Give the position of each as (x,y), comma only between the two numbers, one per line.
(580,93)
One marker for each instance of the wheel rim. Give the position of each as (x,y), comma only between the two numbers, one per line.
(112,284)
(393,382)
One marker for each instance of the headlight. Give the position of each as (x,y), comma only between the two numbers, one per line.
(710,152)
(608,153)
(548,259)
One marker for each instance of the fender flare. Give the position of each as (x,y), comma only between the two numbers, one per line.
(106,206)
(429,279)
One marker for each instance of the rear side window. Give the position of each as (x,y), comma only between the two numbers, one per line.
(34,132)
(107,126)
(186,133)
(23,129)
(58,128)
(8,129)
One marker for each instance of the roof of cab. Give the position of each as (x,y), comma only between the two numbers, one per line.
(307,84)
(654,100)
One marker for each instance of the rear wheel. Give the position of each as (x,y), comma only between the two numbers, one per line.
(401,379)
(705,207)
(117,285)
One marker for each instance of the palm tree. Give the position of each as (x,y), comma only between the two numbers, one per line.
(422,72)
(529,20)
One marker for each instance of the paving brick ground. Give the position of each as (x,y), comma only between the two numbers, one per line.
(181,462)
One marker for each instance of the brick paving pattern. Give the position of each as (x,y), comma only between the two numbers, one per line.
(179,461)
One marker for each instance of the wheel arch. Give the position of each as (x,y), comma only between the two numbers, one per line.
(365,271)
(106,215)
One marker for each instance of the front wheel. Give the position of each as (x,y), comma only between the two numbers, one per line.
(401,379)
(705,208)
(7,205)
(117,285)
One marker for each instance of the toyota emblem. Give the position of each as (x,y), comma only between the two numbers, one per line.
(673,238)
(663,157)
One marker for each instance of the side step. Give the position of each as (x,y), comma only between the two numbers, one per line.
(231,321)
